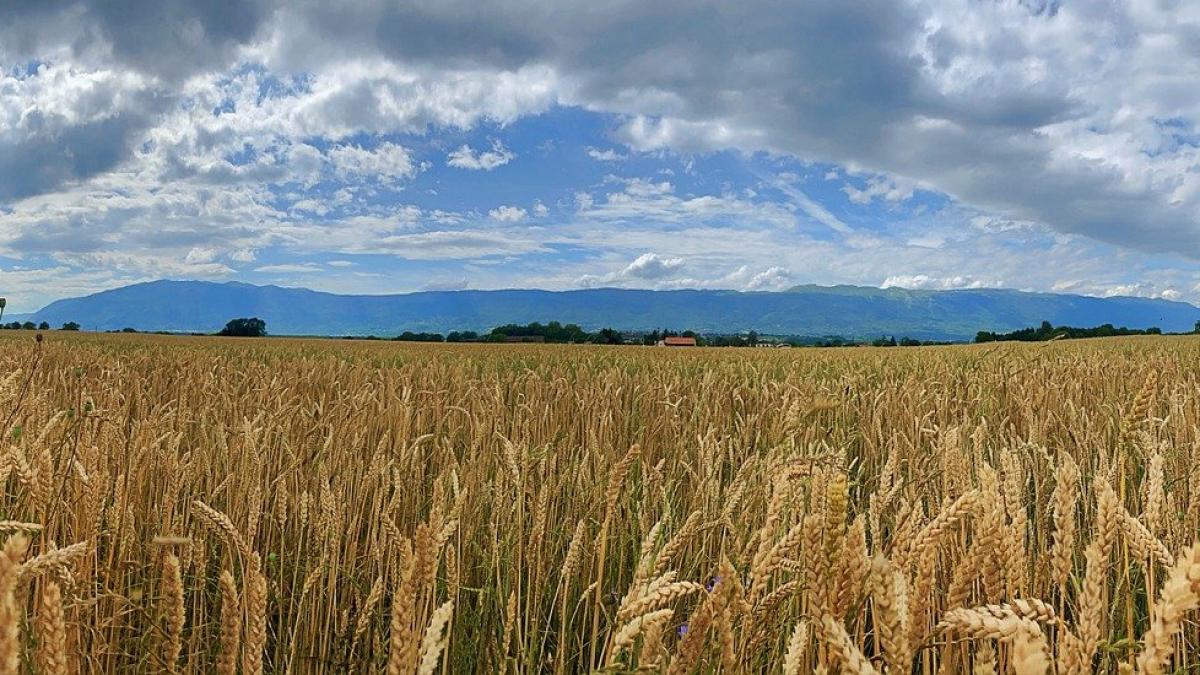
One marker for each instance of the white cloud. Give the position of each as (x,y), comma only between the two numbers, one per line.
(646,133)
(770,279)
(926,282)
(890,189)
(146,266)
(318,207)
(389,236)
(1142,290)
(642,199)
(243,255)
(199,255)
(647,267)
(508,214)
(388,162)
(467,158)
(995,224)
(651,266)
(666,272)
(606,155)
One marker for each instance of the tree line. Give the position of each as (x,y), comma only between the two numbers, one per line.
(29,325)
(552,332)
(1047,331)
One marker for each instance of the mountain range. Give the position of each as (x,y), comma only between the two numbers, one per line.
(850,311)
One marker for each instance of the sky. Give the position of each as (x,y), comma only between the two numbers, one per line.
(380,147)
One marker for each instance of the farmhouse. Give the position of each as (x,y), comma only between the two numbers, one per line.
(677,342)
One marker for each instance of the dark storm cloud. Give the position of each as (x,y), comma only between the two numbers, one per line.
(57,140)
(47,152)
(168,38)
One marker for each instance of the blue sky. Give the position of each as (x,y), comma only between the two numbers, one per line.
(371,147)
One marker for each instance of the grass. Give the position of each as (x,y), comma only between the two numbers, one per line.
(201,504)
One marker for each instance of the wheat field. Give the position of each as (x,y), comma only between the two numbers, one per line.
(288,506)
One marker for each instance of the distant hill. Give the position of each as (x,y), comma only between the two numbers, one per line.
(851,311)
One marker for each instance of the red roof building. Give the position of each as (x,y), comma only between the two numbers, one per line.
(678,342)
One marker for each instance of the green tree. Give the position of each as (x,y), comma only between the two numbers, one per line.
(409,336)
(70,325)
(551,332)
(608,336)
(43,326)
(252,327)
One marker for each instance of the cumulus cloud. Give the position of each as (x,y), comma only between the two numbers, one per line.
(656,270)
(243,255)
(744,278)
(508,214)
(200,255)
(648,267)
(467,158)
(1142,290)
(651,266)
(880,187)
(388,162)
